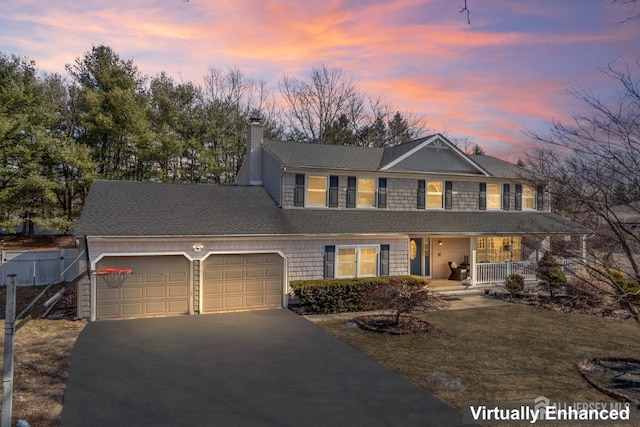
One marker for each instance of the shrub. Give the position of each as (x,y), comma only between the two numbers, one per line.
(404,297)
(550,273)
(339,295)
(514,283)
(630,288)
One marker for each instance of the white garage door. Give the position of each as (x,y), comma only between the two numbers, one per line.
(157,286)
(242,282)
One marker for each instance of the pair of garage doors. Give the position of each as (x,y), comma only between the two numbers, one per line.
(162,285)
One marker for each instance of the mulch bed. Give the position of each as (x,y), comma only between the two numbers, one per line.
(618,377)
(386,323)
(569,304)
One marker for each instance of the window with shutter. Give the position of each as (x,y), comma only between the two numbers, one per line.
(382,193)
(448,195)
(506,194)
(333,191)
(351,192)
(482,197)
(384,260)
(329,262)
(518,204)
(540,197)
(298,194)
(421,194)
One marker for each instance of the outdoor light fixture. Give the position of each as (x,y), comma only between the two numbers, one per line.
(197,247)
(439,242)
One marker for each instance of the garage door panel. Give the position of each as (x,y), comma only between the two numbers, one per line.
(158,286)
(131,292)
(178,291)
(155,307)
(273,271)
(233,287)
(108,310)
(155,292)
(252,272)
(154,278)
(212,304)
(233,302)
(272,300)
(272,285)
(177,276)
(254,286)
(237,282)
(233,273)
(133,309)
(230,260)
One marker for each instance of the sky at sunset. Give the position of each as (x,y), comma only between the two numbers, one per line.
(507,71)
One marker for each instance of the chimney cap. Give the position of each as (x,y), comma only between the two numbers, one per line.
(255,118)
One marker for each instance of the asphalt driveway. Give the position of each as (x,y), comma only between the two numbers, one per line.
(258,368)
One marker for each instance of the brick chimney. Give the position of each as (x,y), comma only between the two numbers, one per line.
(255,135)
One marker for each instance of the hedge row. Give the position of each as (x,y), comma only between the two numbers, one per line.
(340,295)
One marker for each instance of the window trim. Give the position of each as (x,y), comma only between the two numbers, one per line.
(442,193)
(497,196)
(533,197)
(357,248)
(375,192)
(308,188)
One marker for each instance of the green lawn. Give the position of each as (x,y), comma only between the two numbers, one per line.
(508,353)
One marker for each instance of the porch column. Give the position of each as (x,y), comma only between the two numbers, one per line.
(472,262)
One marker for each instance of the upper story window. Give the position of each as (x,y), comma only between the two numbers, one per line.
(494,196)
(528,197)
(366,192)
(316,190)
(434,195)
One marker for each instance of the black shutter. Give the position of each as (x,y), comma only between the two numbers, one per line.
(482,197)
(540,197)
(329,262)
(351,192)
(421,194)
(518,205)
(506,195)
(382,192)
(333,191)
(298,195)
(448,195)
(384,260)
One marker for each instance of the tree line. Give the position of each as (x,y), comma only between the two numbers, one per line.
(104,119)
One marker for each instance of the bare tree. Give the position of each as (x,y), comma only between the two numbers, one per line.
(330,109)
(591,161)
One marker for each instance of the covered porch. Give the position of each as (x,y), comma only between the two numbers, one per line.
(486,261)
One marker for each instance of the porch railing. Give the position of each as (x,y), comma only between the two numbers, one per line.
(496,272)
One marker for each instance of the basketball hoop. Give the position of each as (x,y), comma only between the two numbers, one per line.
(113,277)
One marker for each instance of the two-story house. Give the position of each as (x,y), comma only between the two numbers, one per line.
(310,211)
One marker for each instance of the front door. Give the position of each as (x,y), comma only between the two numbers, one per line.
(415,256)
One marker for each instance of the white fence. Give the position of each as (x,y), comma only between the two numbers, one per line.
(36,268)
(497,272)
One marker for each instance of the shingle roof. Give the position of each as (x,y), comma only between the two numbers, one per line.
(346,157)
(500,168)
(325,156)
(125,208)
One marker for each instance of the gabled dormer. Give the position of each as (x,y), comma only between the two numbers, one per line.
(433,154)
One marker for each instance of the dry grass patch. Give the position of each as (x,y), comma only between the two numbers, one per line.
(509,353)
(41,367)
